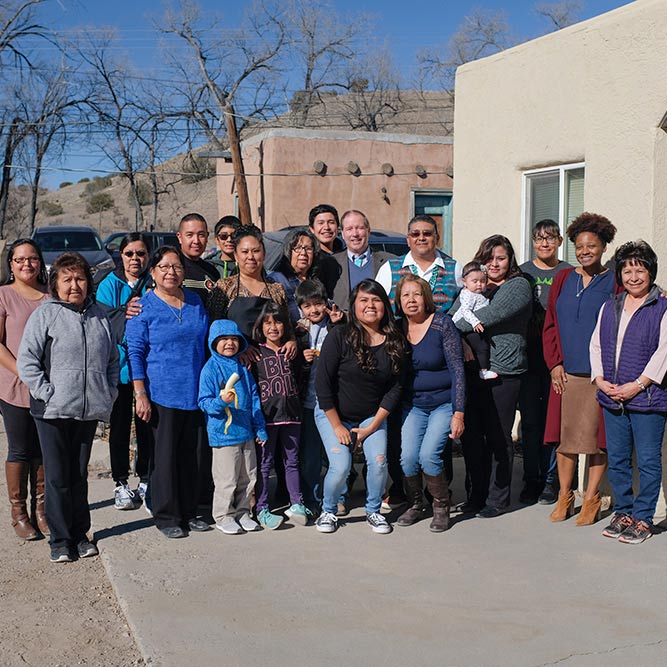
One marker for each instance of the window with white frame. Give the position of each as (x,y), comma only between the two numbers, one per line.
(556,193)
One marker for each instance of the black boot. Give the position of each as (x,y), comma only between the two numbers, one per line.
(437,487)
(415,495)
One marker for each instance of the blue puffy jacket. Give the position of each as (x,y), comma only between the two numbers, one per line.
(247,420)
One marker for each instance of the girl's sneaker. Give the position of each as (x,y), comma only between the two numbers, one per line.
(299,514)
(248,523)
(268,520)
(486,374)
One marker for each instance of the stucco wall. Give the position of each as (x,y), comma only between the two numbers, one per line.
(290,187)
(594,92)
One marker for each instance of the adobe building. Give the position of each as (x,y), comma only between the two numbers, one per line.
(573,121)
(390,177)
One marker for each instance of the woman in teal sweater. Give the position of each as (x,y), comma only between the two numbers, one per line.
(115,290)
(487,440)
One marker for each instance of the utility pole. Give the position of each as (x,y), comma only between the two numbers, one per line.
(237,163)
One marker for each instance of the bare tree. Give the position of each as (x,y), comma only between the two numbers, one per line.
(481,34)
(14,132)
(219,68)
(374,96)
(48,104)
(17,26)
(125,122)
(323,46)
(559,14)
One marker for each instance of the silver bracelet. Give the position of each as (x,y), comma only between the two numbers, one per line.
(141,392)
(641,385)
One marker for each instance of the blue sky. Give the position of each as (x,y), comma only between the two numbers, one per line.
(407,28)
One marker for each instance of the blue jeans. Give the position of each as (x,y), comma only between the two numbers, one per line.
(310,460)
(340,462)
(424,435)
(644,431)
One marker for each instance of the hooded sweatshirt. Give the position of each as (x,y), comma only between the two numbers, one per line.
(69,362)
(247,421)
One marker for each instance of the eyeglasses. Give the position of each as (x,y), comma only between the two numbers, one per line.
(223,236)
(165,268)
(132,253)
(303,248)
(416,233)
(22,260)
(551,240)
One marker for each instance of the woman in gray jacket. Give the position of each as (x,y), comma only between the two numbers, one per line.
(69,362)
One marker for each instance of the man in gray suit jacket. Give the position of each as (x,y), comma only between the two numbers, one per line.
(357,262)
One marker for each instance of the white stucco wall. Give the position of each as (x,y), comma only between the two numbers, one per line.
(594,92)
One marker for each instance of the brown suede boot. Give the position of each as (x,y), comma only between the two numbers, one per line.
(415,495)
(564,507)
(17,487)
(39,513)
(590,511)
(437,487)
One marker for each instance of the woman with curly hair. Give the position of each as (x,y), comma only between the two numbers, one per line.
(358,385)
(574,423)
(487,440)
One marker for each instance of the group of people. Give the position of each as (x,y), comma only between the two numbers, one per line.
(230,372)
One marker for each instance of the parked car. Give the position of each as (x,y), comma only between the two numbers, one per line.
(154,239)
(53,241)
(391,242)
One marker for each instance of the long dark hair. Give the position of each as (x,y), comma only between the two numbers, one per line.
(355,336)
(272,309)
(42,277)
(485,251)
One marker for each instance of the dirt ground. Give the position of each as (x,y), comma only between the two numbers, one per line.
(56,615)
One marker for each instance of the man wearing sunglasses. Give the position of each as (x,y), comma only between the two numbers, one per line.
(439,270)
(443,274)
(223,257)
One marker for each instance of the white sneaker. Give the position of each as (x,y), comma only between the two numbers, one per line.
(486,374)
(125,498)
(229,527)
(142,488)
(248,523)
(326,523)
(378,523)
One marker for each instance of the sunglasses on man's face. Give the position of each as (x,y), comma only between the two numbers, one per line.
(132,253)
(223,236)
(416,233)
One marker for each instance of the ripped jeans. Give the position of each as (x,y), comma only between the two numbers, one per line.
(340,462)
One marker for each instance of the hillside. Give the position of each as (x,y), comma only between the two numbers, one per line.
(183,198)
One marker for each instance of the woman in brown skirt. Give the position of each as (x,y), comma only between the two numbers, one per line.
(573,417)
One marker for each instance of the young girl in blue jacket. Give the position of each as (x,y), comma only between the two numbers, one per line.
(234,421)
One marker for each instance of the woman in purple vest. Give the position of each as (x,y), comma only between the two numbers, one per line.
(628,365)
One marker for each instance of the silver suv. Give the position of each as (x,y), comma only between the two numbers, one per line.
(53,241)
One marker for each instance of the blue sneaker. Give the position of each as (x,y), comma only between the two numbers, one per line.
(268,520)
(299,513)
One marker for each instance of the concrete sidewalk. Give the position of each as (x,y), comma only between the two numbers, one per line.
(515,590)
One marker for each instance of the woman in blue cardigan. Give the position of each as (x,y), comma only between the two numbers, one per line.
(166,353)
(628,365)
